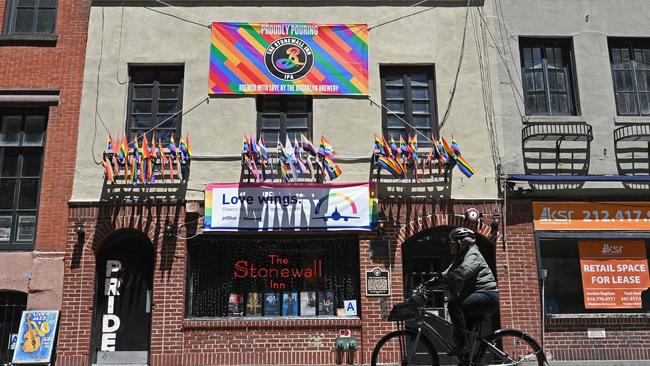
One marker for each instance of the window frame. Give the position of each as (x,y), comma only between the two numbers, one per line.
(314,244)
(630,44)
(573,235)
(11,15)
(14,243)
(282,130)
(155,99)
(405,70)
(568,59)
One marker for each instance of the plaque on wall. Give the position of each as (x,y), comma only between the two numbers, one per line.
(377,282)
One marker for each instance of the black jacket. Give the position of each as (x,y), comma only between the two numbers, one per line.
(468,273)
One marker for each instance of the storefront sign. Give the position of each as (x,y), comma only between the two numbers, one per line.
(592,216)
(288,58)
(377,282)
(614,272)
(267,207)
(110,321)
(277,271)
(36,335)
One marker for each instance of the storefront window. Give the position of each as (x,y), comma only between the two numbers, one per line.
(584,276)
(270,277)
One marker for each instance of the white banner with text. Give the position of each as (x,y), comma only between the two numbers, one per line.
(268,207)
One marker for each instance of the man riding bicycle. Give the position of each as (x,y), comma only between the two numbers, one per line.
(470,283)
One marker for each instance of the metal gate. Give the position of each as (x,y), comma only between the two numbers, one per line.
(12,305)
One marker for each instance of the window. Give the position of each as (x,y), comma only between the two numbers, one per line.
(30,17)
(630,61)
(408,93)
(22,134)
(548,77)
(610,285)
(12,305)
(279,116)
(155,102)
(271,277)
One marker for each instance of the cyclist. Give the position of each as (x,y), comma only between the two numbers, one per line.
(470,283)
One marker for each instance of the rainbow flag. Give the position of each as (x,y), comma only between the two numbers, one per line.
(108,170)
(187,145)
(123,148)
(379,146)
(393,147)
(172,148)
(326,149)
(263,151)
(332,169)
(448,150)
(145,147)
(464,167)
(246,148)
(109,143)
(393,167)
(454,146)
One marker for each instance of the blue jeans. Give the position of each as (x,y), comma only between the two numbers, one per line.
(467,312)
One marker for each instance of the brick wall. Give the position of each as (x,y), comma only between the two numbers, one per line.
(627,338)
(58,66)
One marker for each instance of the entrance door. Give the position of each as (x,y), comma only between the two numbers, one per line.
(12,305)
(122,324)
(425,255)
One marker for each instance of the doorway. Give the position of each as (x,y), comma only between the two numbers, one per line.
(122,318)
(426,254)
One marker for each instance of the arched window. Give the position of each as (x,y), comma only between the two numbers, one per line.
(12,305)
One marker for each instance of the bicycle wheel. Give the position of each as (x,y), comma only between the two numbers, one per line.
(517,348)
(392,350)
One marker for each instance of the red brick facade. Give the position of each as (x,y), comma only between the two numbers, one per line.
(59,65)
(175,341)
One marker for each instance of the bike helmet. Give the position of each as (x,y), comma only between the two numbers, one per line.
(461,233)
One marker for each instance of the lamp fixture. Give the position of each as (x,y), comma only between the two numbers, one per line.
(472,214)
(496,221)
(381,222)
(79,227)
(169,228)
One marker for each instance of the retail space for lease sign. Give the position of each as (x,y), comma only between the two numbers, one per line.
(267,207)
(614,272)
(288,58)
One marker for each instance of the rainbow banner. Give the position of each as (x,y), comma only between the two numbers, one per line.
(288,58)
(270,207)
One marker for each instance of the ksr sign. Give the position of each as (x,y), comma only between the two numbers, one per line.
(633,216)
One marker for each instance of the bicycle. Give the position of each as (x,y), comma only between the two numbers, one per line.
(403,346)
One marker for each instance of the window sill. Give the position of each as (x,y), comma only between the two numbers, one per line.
(48,40)
(599,316)
(621,120)
(554,119)
(271,322)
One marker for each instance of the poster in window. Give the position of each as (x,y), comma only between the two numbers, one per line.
(326,303)
(271,304)
(36,337)
(308,303)
(5,228)
(235,305)
(290,303)
(254,304)
(614,272)
(26,228)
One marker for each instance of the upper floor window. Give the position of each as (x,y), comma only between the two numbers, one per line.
(155,102)
(30,16)
(408,92)
(282,116)
(630,61)
(547,74)
(22,133)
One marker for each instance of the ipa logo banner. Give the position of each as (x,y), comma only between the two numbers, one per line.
(288,58)
(266,207)
(614,272)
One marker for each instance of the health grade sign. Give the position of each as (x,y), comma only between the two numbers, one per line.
(614,272)
(268,207)
(288,58)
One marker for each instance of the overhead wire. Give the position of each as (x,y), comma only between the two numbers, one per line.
(460,64)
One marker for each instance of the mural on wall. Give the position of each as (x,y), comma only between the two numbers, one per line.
(288,58)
